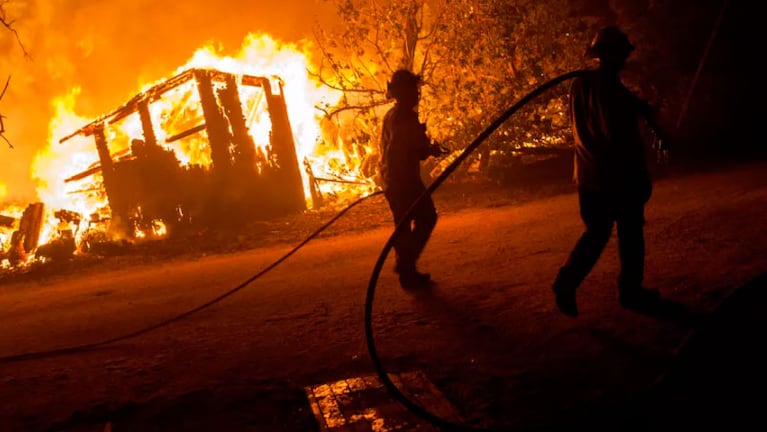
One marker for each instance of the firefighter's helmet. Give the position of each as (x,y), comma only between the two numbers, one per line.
(402,82)
(610,42)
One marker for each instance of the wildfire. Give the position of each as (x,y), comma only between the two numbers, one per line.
(319,152)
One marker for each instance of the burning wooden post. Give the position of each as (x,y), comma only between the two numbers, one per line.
(284,147)
(117,202)
(243,149)
(24,240)
(147,128)
(236,181)
(215,123)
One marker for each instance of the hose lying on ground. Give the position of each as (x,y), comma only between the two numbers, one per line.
(183,315)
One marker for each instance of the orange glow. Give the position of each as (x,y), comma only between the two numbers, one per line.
(259,55)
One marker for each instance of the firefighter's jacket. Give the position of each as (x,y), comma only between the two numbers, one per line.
(404,144)
(609,149)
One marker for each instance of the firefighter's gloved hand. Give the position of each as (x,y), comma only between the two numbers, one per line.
(662,146)
(438,150)
(662,141)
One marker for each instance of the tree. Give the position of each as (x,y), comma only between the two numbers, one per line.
(476,58)
(7,22)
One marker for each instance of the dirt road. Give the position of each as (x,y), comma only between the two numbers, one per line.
(487,334)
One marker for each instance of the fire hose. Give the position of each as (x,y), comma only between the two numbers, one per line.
(183,315)
(371,288)
(370,295)
(383,376)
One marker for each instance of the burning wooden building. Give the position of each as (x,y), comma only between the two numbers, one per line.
(202,148)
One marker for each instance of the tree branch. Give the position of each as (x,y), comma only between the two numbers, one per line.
(8,24)
(332,113)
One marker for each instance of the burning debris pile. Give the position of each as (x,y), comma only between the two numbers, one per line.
(209,147)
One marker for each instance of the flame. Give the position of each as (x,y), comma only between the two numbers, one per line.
(331,160)
(57,162)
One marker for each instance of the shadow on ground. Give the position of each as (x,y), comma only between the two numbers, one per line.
(275,407)
(716,382)
(719,378)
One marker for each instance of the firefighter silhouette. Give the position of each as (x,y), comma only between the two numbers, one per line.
(404,144)
(611,174)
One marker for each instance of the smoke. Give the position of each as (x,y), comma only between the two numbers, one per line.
(109,49)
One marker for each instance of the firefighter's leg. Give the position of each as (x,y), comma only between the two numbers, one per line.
(598,219)
(424,221)
(631,248)
(403,237)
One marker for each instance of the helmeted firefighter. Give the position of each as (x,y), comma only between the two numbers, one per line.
(404,144)
(611,173)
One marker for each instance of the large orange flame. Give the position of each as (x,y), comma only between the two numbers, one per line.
(259,55)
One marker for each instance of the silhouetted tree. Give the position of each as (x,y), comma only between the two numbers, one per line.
(7,22)
(476,58)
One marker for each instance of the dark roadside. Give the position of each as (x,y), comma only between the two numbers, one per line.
(715,383)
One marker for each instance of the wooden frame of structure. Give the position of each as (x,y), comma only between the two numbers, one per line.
(232,150)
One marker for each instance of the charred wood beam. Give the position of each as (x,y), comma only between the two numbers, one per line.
(284,148)
(244,147)
(86,130)
(82,191)
(93,169)
(186,133)
(132,105)
(218,135)
(254,81)
(146,123)
(31,224)
(148,96)
(107,165)
(152,94)
(83,174)
(117,204)
(7,221)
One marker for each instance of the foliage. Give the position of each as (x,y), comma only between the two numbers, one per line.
(476,57)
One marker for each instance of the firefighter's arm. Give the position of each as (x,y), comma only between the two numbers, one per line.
(649,114)
(422,142)
(428,147)
(579,112)
(437,149)
(662,139)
